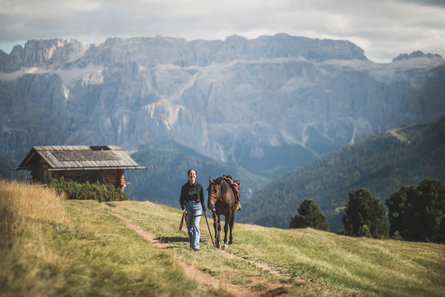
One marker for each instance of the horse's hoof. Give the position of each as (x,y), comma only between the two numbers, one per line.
(224,246)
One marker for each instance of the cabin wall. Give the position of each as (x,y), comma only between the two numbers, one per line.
(39,171)
(114,177)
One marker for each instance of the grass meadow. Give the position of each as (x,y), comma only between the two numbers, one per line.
(50,246)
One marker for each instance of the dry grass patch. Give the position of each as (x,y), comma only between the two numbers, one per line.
(33,201)
(53,247)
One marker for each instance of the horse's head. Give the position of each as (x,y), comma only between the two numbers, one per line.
(214,192)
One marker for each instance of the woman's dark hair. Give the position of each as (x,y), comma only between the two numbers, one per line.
(188,172)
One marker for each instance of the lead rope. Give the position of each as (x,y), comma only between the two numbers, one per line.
(208,227)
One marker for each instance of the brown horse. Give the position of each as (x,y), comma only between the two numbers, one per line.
(221,202)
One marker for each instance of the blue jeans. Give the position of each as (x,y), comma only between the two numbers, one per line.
(194,213)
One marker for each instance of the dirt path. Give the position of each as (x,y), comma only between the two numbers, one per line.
(272,287)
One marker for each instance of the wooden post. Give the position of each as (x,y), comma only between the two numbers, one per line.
(122,183)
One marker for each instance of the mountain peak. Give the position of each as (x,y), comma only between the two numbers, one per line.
(38,53)
(235,38)
(414,55)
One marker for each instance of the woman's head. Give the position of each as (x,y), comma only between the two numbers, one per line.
(192,174)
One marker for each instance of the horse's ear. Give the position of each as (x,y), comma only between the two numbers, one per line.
(210,180)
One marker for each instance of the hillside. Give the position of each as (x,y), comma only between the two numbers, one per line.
(54,247)
(6,168)
(8,172)
(167,165)
(381,163)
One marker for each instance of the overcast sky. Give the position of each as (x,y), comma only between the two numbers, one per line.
(382,28)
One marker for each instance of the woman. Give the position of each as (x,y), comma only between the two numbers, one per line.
(192,204)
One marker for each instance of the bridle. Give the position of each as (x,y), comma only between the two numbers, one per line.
(213,196)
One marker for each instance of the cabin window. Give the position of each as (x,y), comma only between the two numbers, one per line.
(99,147)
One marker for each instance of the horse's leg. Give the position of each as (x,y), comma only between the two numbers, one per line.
(217,226)
(219,230)
(226,227)
(232,220)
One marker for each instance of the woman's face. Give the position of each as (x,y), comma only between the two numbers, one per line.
(192,176)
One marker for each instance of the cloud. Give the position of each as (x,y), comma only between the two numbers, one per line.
(382,28)
(439,3)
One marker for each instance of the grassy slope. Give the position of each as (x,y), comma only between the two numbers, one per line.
(78,249)
(364,266)
(82,248)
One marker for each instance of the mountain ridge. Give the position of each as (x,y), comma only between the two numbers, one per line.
(241,101)
(178,51)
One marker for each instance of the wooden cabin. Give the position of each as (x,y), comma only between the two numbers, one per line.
(80,163)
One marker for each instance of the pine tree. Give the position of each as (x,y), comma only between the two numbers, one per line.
(309,216)
(364,215)
(417,213)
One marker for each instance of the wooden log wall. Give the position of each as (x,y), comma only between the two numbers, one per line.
(109,177)
(38,171)
(114,177)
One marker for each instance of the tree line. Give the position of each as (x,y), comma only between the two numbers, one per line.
(415,213)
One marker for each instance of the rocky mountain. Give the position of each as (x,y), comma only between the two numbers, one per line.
(380,163)
(267,104)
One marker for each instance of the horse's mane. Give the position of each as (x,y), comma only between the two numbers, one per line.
(224,184)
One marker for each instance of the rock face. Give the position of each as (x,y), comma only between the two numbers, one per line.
(267,104)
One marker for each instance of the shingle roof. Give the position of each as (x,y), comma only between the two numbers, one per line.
(78,157)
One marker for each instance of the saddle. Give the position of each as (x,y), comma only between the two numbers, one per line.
(234,184)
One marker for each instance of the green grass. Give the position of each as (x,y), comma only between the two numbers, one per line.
(368,266)
(360,266)
(55,247)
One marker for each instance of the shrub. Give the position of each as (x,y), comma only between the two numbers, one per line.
(87,191)
(396,236)
(309,215)
(363,231)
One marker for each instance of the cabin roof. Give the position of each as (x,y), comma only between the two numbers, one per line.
(81,157)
